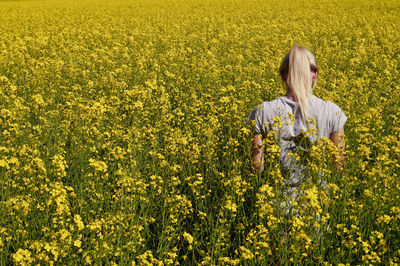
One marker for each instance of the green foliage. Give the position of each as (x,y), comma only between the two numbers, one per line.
(124,137)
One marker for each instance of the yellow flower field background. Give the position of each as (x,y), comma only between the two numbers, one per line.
(124,136)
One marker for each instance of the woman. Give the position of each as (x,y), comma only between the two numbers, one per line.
(300,113)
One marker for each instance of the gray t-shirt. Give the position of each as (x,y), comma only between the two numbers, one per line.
(324,117)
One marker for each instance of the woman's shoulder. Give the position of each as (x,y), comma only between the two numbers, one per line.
(271,105)
(267,109)
(261,107)
(264,113)
(328,104)
(330,112)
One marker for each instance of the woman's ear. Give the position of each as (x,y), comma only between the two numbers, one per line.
(314,76)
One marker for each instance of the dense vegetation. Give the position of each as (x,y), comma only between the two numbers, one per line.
(124,135)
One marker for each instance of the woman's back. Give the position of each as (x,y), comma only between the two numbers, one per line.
(323,118)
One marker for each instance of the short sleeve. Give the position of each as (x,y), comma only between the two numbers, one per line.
(255,119)
(337,117)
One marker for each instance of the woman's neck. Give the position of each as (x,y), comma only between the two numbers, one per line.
(291,96)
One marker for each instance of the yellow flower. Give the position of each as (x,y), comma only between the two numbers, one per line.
(78,221)
(22,257)
(77,243)
(98,166)
(246,253)
(188,237)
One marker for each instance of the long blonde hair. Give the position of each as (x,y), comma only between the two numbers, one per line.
(295,71)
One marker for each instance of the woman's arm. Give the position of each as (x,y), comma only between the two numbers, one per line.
(257,156)
(338,139)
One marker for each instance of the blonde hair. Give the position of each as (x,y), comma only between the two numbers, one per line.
(295,71)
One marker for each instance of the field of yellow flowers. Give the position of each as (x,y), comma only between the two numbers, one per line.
(124,136)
